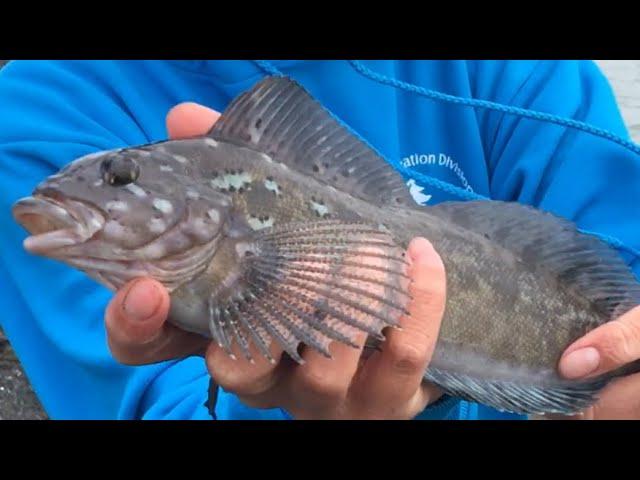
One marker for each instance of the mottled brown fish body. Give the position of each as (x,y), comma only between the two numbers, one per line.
(504,317)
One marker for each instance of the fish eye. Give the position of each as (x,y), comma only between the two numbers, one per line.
(119,171)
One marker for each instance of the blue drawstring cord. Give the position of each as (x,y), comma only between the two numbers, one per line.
(461,193)
(498,107)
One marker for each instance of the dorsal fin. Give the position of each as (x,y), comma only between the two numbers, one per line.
(552,244)
(281,119)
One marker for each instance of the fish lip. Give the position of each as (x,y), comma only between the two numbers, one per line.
(55,224)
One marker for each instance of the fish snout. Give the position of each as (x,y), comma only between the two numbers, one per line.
(53,224)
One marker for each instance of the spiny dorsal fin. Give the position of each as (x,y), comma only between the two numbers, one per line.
(278,117)
(552,244)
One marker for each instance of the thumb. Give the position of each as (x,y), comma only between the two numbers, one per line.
(604,349)
(137,313)
(137,330)
(190,120)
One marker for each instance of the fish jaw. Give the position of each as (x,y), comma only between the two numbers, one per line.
(55,225)
(69,231)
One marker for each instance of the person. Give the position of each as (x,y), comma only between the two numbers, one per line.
(129,363)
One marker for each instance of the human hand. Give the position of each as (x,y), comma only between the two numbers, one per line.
(386,384)
(602,350)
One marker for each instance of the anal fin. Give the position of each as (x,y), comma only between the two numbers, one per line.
(518,397)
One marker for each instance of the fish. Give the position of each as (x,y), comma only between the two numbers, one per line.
(282,225)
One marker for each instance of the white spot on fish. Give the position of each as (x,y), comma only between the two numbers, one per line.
(193,194)
(163,205)
(143,153)
(214,215)
(258,223)
(136,190)
(180,159)
(266,158)
(117,206)
(95,223)
(165,168)
(272,186)
(114,229)
(98,183)
(236,180)
(156,225)
(154,250)
(320,209)
(211,142)
(255,134)
(201,228)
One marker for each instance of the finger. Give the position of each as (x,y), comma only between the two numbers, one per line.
(189,120)
(321,382)
(620,400)
(394,375)
(606,348)
(239,375)
(136,326)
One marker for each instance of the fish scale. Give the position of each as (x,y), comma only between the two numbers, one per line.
(280,225)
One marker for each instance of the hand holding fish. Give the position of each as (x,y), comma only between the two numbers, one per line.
(279,229)
(605,349)
(387,384)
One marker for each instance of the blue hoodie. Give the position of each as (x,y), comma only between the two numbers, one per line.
(54,111)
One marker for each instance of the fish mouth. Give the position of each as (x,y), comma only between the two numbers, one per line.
(56,224)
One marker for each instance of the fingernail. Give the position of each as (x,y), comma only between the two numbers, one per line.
(142,301)
(419,250)
(580,363)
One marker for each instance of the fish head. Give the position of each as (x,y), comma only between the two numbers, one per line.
(124,213)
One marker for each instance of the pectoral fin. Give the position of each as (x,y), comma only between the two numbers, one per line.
(314,283)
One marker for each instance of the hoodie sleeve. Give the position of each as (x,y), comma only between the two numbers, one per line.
(590,180)
(53,112)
